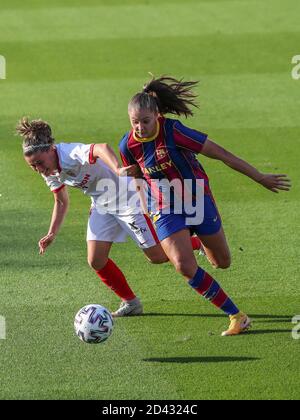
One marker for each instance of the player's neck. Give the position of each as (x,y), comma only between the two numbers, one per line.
(147,139)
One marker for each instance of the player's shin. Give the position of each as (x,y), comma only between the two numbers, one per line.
(113,277)
(206,286)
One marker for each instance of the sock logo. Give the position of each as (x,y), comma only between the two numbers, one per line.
(296,329)
(2,67)
(2,328)
(296,69)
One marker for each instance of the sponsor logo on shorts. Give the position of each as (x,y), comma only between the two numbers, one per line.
(136,229)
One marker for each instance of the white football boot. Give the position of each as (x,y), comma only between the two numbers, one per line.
(202,252)
(129,308)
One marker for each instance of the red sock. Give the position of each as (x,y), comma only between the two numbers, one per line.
(196,243)
(113,277)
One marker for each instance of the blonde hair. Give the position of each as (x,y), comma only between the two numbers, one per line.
(36,134)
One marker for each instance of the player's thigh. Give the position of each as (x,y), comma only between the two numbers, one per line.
(140,228)
(98,253)
(102,231)
(179,250)
(217,249)
(151,245)
(104,228)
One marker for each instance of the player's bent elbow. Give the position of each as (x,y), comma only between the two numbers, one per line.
(61,199)
(62,206)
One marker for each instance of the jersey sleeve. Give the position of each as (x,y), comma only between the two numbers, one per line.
(126,156)
(187,138)
(82,153)
(53,183)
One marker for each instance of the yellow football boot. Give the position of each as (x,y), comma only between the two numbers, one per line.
(239,324)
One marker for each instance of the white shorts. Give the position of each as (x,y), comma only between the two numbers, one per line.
(115,228)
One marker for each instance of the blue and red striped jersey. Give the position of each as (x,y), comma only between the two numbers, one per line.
(171,155)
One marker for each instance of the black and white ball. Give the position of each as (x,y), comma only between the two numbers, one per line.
(93,324)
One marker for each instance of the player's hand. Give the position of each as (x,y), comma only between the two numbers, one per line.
(275,183)
(132,171)
(45,242)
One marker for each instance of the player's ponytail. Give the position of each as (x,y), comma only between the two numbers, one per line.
(166,95)
(36,134)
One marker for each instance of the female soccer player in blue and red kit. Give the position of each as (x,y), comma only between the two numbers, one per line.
(165,149)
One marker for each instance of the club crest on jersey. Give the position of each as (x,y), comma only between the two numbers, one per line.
(161,153)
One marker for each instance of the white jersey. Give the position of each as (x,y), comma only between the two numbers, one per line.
(77,168)
(111,218)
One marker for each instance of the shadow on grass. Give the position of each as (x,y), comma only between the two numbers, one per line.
(213,359)
(265,318)
(258,332)
(256,318)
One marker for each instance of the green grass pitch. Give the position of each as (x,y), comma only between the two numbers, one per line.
(76,64)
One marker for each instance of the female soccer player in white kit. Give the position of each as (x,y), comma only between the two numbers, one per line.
(90,168)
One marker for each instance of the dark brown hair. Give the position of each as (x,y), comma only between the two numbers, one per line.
(166,95)
(36,134)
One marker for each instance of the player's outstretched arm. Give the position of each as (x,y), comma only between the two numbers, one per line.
(132,171)
(61,205)
(272,182)
(107,155)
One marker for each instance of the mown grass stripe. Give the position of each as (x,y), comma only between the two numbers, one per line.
(268,100)
(217,55)
(148,21)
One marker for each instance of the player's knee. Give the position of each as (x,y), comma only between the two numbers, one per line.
(97,264)
(156,255)
(158,260)
(183,267)
(223,263)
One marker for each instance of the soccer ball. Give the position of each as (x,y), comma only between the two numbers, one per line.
(93,324)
